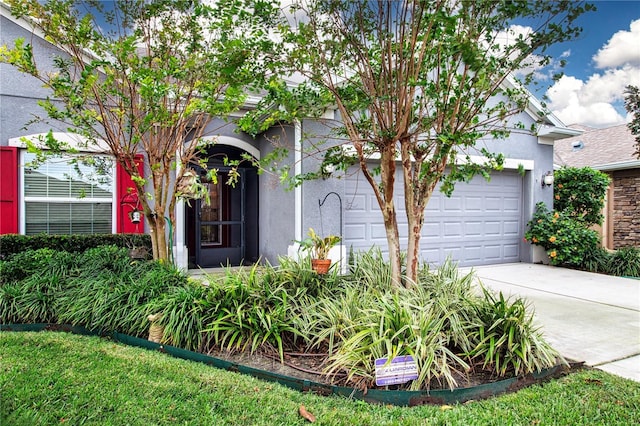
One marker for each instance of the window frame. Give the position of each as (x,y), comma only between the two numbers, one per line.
(88,200)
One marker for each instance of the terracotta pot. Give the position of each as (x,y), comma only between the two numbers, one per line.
(321,266)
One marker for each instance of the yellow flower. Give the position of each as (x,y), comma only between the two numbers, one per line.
(557,197)
(534,239)
(552,239)
(553,254)
(556,215)
(560,186)
(539,220)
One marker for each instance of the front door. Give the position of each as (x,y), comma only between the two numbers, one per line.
(220,224)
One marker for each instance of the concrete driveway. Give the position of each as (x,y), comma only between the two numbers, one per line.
(587,317)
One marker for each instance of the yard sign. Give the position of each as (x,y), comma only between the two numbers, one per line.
(399,370)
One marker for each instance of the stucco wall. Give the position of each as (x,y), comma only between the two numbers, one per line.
(277,205)
(19,93)
(325,219)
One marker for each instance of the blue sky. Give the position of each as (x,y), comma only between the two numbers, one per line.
(600,63)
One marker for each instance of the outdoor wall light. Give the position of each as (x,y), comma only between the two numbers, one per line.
(547,179)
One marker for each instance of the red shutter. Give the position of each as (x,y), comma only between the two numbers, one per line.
(127,199)
(8,190)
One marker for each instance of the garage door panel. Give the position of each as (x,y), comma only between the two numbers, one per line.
(356,232)
(473,229)
(491,229)
(453,204)
(511,228)
(511,204)
(358,203)
(481,223)
(473,204)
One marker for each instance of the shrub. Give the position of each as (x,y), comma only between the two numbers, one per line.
(566,240)
(625,262)
(116,300)
(440,322)
(33,262)
(597,260)
(580,193)
(12,244)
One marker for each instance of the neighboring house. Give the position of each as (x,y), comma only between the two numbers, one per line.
(481,223)
(609,150)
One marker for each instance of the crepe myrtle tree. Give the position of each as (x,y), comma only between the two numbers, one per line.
(417,85)
(145,78)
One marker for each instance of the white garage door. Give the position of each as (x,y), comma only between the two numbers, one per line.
(481,223)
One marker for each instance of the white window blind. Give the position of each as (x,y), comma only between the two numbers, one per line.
(64,198)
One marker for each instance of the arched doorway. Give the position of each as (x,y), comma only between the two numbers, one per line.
(225,231)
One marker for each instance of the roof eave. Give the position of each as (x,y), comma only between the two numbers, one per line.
(622,165)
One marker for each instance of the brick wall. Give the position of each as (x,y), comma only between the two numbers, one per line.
(626,208)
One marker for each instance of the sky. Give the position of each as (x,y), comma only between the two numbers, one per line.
(600,63)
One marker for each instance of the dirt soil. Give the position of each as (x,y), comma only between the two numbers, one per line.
(309,366)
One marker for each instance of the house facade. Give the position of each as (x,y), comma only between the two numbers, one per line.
(258,220)
(610,150)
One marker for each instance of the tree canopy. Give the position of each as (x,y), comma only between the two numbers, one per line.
(146,78)
(416,85)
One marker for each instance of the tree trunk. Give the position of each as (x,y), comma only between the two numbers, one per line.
(158,238)
(393,241)
(415,220)
(389,214)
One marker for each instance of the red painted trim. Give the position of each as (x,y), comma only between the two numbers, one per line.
(127,199)
(9,190)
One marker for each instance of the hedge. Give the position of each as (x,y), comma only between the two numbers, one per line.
(11,244)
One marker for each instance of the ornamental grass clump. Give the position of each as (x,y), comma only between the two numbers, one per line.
(114,297)
(247,311)
(506,338)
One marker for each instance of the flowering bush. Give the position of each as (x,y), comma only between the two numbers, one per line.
(565,239)
(580,193)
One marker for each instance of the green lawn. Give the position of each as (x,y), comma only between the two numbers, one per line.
(57,378)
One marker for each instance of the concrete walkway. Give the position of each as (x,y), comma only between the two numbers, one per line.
(587,317)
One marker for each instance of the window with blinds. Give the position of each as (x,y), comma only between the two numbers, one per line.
(65,198)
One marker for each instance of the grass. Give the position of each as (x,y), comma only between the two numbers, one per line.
(56,378)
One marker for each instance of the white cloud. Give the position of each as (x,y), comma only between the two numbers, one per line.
(566,100)
(597,102)
(623,48)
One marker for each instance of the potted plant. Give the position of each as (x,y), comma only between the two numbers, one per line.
(319,248)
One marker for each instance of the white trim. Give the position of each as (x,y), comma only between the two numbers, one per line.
(235,142)
(297,140)
(180,250)
(22,199)
(633,164)
(88,200)
(547,135)
(74,140)
(509,163)
(22,225)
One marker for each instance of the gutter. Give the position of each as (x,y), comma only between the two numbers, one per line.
(624,165)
